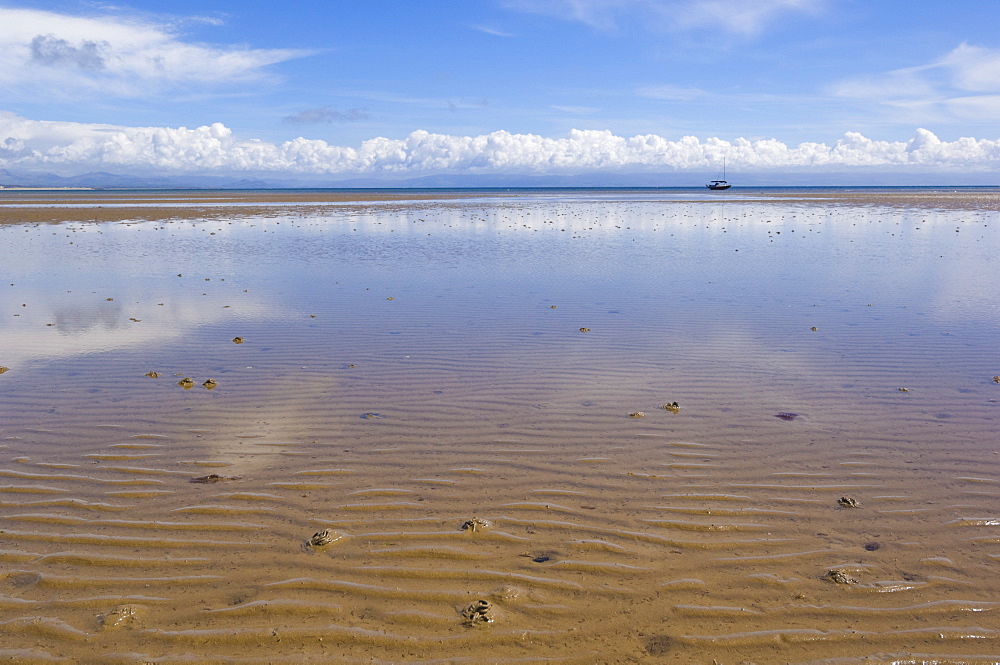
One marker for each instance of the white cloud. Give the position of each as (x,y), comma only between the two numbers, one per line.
(43,54)
(973,68)
(964,84)
(740,16)
(491,31)
(979,107)
(74,147)
(736,16)
(910,83)
(596,13)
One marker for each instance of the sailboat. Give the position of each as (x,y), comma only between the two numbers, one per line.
(720,184)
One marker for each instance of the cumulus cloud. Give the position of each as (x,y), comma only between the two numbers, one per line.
(325,114)
(45,53)
(736,16)
(78,147)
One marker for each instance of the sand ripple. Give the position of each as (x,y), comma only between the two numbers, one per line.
(697,536)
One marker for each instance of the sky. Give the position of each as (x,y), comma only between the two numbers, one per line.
(401,89)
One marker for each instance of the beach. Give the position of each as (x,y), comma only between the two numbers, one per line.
(571,426)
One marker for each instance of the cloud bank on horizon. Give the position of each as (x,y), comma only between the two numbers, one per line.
(577,86)
(31,144)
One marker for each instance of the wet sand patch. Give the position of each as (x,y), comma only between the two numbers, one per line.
(699,535)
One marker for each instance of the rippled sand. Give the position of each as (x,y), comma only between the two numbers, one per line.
(408,366)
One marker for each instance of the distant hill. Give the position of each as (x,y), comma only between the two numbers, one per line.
(106,180)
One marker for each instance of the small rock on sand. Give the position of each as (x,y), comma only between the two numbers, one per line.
(475,524)
(479,613)
(123,616)
(323,538)
(838,576)
(214,478)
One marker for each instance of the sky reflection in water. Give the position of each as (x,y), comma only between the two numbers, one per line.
(463,271)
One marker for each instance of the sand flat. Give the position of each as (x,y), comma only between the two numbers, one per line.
(409,365)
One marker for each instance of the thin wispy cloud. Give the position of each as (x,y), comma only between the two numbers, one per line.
(576,110)
(973,68)
(480,103)
(492,31)
(909,83)
(980,107)
(325,114)
(740,16)
(734,16)
(964,83)
(671,92)
(384,97)
(47,54)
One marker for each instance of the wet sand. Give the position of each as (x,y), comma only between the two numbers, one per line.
(941,198)
(407,367)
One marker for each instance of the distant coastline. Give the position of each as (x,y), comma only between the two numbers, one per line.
(11,179)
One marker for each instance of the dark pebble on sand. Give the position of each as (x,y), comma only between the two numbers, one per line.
(213,478)
(658,645)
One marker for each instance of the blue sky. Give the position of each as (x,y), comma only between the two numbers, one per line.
(397,89)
